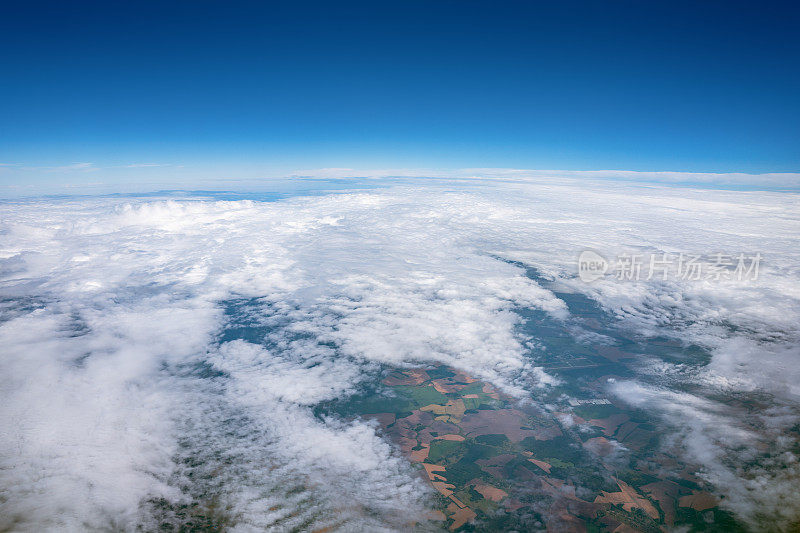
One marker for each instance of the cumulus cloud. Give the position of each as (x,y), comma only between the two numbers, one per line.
(159,351)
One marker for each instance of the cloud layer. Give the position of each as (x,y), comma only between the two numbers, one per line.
(127,391)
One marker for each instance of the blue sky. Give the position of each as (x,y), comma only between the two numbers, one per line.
(153,90)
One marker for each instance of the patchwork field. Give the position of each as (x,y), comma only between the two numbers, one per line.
(496,463)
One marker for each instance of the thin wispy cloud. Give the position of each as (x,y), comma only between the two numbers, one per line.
(73,167)
(789,180)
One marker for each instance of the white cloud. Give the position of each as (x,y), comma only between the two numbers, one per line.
(113,379)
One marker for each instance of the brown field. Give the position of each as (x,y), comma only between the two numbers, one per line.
(628,498)
(453,437)
(406,377)
(460,515)
(541,464)
(665,493)
(490,493)
(699,501)
(420,455)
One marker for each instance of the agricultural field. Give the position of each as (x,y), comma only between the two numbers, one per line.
(497,464)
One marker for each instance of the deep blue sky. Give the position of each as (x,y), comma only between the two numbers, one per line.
(227,87)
